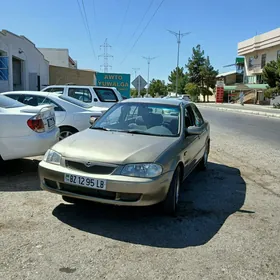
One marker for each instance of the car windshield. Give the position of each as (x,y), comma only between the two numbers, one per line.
(141,118)
(7,102)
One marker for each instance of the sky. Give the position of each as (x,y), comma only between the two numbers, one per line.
(136,28)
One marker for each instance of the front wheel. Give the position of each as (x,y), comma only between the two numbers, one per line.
(170,204)
(204,160)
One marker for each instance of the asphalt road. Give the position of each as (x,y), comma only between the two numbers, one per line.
(228,226)
(256,128)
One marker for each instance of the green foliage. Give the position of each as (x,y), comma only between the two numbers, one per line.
(182,80)
(157,87)
(271,75)
(193,90)
(134,92)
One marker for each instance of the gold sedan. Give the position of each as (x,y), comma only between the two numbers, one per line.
(137,153)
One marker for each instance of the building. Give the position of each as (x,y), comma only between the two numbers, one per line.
(257,52)
(63,69)
(22,65)
(59,57)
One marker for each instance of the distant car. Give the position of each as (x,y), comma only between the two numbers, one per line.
(25,131)
(93,95)
(134,154)
(70,117)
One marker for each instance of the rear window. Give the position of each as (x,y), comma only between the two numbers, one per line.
(7,102)
(55,89)
(106,95)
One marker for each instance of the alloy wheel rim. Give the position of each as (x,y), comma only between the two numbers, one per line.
(64,134)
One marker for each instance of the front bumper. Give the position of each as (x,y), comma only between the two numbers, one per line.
(120,190)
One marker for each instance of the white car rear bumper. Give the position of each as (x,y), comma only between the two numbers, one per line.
(35,144)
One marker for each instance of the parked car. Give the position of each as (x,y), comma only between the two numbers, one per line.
(70,117)
(134,154)
(25,131)
(93,95)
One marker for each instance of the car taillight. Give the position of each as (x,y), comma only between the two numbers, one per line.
(36,124)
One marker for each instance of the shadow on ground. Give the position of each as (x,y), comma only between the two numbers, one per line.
(19,175)
(207,199)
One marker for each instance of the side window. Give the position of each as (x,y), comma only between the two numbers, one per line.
(30,100)
(55,89)
(189,117)
(45,100)
(81,94)
(106,95)
(198,117)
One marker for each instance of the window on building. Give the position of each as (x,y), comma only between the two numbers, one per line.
(278,54)
(263,62)
(250,62)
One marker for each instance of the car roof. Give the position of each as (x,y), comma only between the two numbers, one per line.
(175,102)
(78,86)
(43,93)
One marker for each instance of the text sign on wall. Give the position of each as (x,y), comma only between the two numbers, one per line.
(119,81)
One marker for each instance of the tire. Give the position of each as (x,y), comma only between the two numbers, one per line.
(170,204)
(66,131)
(71,199)
(204,160)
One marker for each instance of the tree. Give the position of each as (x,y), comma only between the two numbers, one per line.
(271,75)
(182,80)
(134,92)
(157,87)
(193,90)
(209,75)
(195,66)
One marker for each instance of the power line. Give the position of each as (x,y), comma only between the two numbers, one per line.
(144,29)
(85,21)
(105,56)
(178,37)
(149,7)
(123,21)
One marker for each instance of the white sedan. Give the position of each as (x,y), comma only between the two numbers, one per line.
(25,131)
(71,117)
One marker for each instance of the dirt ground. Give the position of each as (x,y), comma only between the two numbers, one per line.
(228,226)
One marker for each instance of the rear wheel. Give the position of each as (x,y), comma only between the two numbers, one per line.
(66,131)
(170,203)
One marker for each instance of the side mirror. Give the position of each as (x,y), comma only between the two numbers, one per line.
(92,120)
(193,130)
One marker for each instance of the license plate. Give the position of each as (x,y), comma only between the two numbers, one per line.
(51,122)
(85,181)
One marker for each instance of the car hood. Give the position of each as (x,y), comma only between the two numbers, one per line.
(113,147)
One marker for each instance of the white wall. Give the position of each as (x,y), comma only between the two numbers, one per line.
(32,58)
(56,57)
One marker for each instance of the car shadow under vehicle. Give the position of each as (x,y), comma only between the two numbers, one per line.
(207,199)
(19,175)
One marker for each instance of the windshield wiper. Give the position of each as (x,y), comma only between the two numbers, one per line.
(101,128)
(138,132)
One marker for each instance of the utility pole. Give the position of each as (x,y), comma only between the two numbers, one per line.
(178,36)
(105,66)
(149,59)
(138,81)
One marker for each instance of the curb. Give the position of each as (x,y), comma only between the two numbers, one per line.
(250,112)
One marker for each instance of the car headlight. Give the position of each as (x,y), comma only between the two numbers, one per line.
(53,157)
(143,170)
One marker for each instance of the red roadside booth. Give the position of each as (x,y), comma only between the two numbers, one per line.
(220,91)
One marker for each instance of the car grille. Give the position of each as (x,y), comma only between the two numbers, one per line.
(95,169)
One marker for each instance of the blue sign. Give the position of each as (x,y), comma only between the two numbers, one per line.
(119,81)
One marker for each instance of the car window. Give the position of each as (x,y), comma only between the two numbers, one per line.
(14,96)
(106,95)
(81,94)
(7,102)
(30,100)
(189,117)
(141,118)
(45,100)
(55,89)
(198,117)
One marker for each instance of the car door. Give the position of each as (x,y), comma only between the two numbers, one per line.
(190,143)
(199,122)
